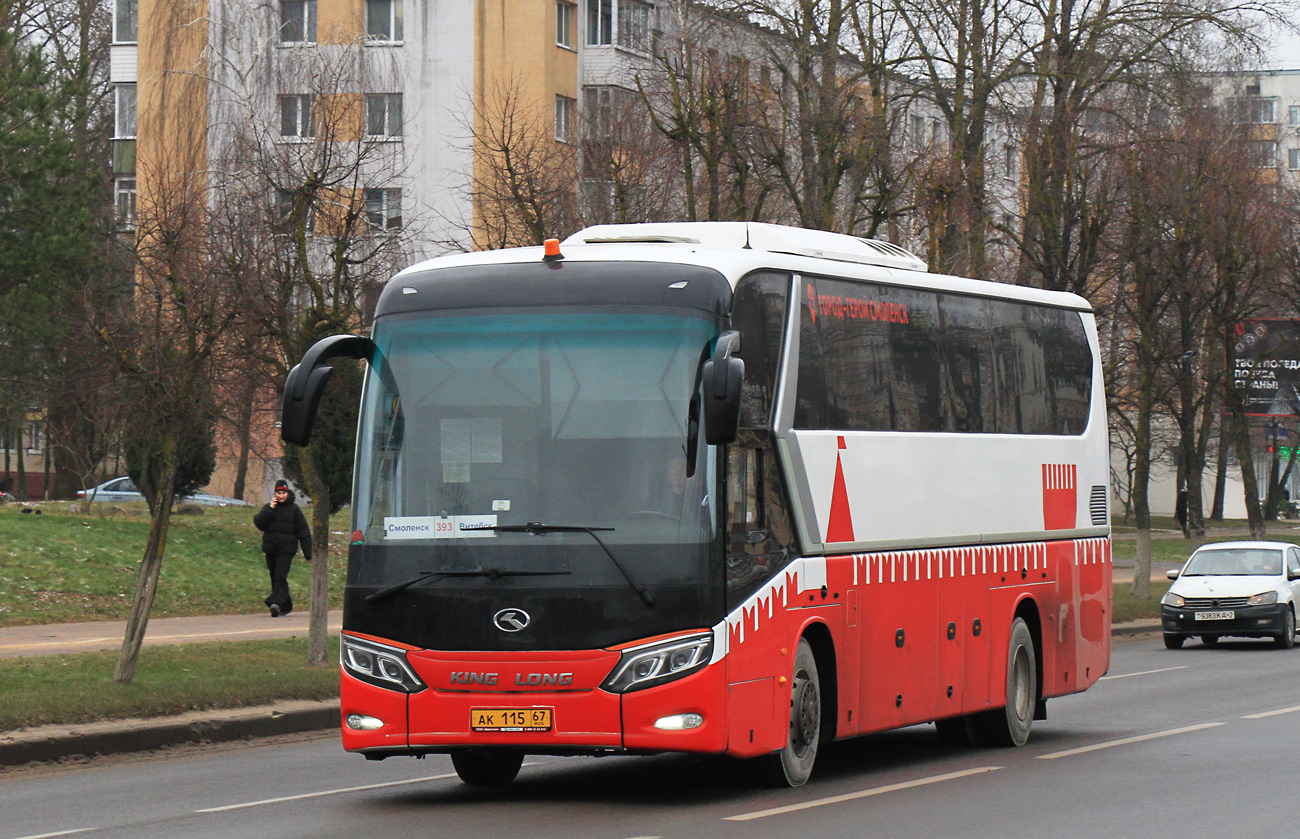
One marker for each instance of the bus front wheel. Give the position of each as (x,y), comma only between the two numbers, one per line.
(1010,726)
(792,765)
(487,769)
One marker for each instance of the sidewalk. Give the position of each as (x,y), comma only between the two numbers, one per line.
(60,638)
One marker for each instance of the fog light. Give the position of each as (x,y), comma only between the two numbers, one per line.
(358,722)
(678,722)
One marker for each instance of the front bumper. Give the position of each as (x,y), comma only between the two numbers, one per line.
(1246,622)
(584,718)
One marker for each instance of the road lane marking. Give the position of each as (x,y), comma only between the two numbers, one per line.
(60,833)
(1145,672)
(1127,740)
(866,793)
(323,793)
(1271,713)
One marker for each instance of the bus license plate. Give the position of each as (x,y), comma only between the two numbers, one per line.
(1215,616)
(510,719)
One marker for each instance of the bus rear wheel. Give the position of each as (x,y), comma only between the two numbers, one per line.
(1010,726)
(487,769)
(792,765)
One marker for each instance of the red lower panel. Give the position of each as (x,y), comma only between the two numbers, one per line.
(703,693)
(585,718)
(357,697)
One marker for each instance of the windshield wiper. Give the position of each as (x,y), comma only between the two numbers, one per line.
(538,529)
(490,573)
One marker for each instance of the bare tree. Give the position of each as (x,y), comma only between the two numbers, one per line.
(321,223)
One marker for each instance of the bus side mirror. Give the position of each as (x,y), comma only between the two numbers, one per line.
(724,374)
(306,383)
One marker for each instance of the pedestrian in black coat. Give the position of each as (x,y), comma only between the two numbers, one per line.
(283,527)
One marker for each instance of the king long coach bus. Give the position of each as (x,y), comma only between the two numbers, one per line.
(725,488)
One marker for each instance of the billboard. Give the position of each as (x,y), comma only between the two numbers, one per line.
(1267,366)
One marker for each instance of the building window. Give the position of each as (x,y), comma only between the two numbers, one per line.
(601,110)
(384,115)
(297,21)
(284,211)
(564,19)
(1293,159)
(1293,115)
(384,209)
(634,29)
(124,106)
(126,21)
(564,108)
(1261,154)
(600,22)
(295,116)
(1254,111)
(1009,157)
(124,202)
(35,434)
(917,125)
(384,20)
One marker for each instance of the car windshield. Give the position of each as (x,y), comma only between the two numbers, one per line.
(1235,562)
(558,417)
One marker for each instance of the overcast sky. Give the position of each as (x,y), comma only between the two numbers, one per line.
(1286,52)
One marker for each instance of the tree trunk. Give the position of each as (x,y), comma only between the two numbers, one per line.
(244,429)
(318,627)
(1221,470)
(146,585)
(1140,491)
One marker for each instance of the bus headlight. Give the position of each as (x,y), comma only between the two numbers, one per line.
(378,664)
(654,664)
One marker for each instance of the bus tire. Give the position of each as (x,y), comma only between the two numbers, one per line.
(487,768)
(1010,725)
(1286,640)
(792,765)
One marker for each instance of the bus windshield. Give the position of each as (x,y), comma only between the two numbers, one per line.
(551,416)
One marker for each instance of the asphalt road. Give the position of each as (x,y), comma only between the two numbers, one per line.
(1198,742)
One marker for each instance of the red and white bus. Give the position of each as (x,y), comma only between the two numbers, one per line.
(725,488)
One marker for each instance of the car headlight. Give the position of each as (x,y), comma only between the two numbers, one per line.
(379,665)
(1266,599)
(1171,599)
(654,664)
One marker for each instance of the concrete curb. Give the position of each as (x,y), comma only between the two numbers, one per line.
(58,742)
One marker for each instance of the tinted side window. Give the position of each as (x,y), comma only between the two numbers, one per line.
(759,313)
(883,358)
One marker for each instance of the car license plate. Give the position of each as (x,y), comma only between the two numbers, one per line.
(510,719)
(1215,616)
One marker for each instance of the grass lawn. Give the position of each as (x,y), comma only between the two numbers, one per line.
(44,690)
(60,567)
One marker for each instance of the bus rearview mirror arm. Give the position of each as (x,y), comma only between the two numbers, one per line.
(306,382)
(724,374)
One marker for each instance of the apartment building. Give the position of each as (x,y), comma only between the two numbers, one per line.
(1269,101)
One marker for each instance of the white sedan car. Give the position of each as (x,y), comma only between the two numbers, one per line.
(1243,589)
(124,489)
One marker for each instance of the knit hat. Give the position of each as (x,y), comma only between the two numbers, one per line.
(281,484)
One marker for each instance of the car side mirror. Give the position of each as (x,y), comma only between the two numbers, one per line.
(723,378)
(1172,573)
(306,383)
(1293,573)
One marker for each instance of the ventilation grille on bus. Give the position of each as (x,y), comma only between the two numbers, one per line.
(1097,505)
